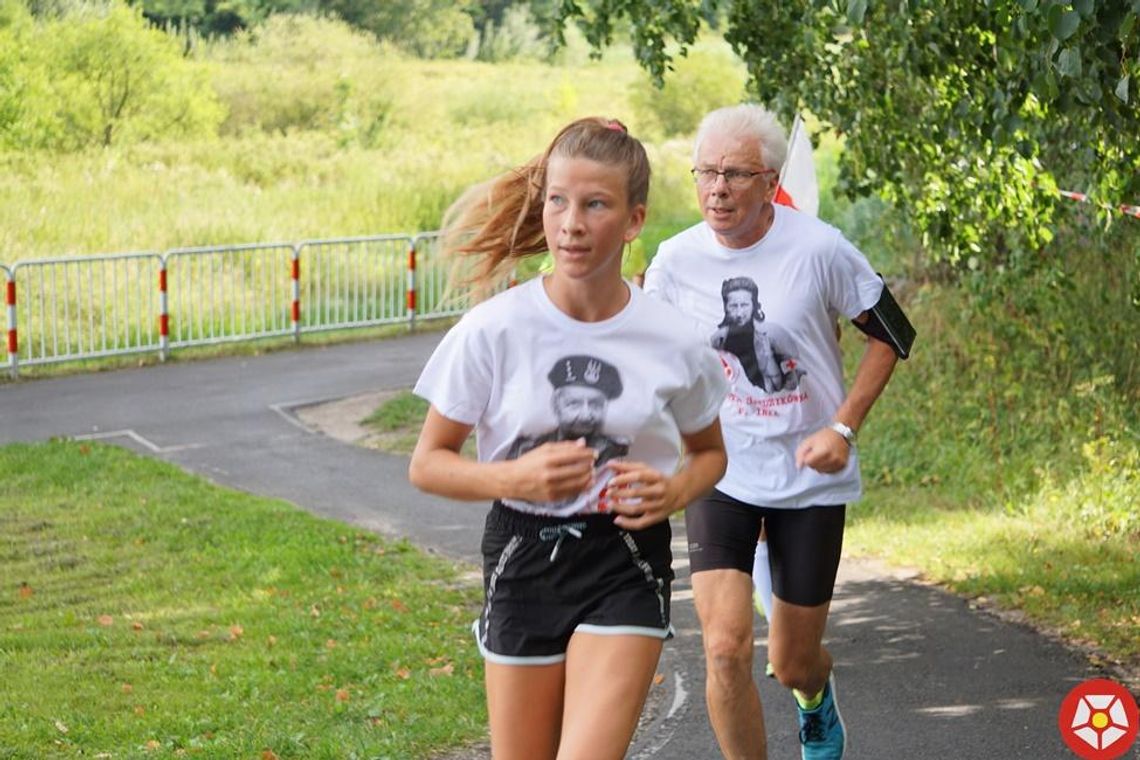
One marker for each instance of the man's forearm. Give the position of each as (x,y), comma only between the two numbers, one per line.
(871,378)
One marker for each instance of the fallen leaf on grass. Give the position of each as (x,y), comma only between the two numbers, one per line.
(269,754)
(136,626)
(61,727)
(26,591)
(140,710)
(272,641)
(330,644)
(446,670)
(398,606)
(153,744)
(127,688)
(342,695)
(236,632)
(105,620)
(403,674)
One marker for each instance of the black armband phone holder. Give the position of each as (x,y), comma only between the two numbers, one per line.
(887,322)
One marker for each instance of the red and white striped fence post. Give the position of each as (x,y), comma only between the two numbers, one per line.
(1124,208)
(163,312)
(295,276)
(13,336)
(411,285)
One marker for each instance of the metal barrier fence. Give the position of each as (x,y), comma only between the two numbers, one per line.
(66,309)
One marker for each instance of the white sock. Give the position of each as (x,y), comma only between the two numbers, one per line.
(762,577)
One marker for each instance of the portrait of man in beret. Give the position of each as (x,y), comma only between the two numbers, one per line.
(583,387)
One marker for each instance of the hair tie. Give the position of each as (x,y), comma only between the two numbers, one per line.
(616,126)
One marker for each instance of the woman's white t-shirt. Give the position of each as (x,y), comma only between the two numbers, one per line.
(525,373)
(784,366)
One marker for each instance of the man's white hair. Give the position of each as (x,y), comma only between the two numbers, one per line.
(747,119)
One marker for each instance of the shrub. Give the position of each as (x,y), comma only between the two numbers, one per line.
(302,73)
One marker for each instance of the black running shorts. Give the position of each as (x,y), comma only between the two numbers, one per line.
(546,578)
(803,544)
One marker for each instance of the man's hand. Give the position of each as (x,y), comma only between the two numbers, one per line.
(824,451)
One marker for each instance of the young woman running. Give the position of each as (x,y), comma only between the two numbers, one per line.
(595,411)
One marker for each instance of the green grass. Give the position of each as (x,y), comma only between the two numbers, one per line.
(403,411)
(396,425)
(1003,460)
(146,612)
(1063,575)
(453,123)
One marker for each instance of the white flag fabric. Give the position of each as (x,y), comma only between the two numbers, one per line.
(798,187)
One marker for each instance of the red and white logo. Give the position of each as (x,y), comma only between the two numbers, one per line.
(1098,720)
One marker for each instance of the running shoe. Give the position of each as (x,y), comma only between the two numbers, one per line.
(822,733)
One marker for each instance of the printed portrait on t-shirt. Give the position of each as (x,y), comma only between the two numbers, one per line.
(766,352)
(583,387)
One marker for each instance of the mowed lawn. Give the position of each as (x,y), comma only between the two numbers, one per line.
(147,613)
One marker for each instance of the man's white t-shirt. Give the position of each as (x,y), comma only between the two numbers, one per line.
(783,362)
(525,373)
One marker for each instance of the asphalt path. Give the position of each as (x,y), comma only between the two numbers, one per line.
(920,673)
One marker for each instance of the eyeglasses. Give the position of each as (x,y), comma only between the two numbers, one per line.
(737,179)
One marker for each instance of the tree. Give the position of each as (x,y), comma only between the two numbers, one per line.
(965,113)
(427,28)
(96,77)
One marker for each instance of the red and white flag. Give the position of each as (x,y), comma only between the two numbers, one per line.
(798,187)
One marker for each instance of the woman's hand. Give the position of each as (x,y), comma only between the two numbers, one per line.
(553,471)
(640,495)
(550,472)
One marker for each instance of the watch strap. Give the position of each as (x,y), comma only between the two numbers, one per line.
(847,433)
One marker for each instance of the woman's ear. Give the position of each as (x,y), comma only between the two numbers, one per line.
(636,222)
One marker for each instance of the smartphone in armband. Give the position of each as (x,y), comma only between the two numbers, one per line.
(886,321)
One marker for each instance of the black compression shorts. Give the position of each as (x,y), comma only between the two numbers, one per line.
(803,544)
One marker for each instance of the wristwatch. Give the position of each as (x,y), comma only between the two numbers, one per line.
(847,433)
